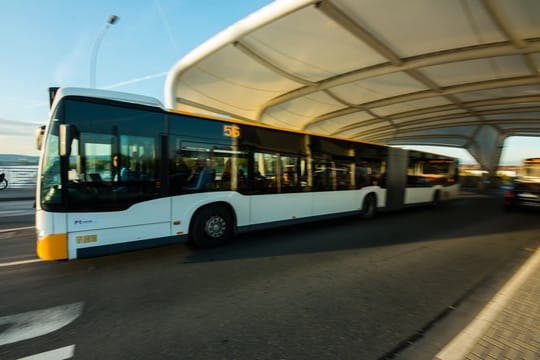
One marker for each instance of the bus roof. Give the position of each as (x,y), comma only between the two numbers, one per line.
(149,101)
(108,94)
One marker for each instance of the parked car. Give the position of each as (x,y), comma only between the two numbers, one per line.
(525,192)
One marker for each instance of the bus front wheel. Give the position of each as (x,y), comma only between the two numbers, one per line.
(211,226)
(369,207)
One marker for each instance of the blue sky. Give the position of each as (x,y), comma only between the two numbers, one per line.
(49,43)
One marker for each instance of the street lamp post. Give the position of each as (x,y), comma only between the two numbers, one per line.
(112,19)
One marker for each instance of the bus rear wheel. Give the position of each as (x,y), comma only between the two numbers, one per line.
(211,226)
(369,207)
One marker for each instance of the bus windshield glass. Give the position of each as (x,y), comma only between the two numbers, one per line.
(50,179)
(531,167)
(112,159)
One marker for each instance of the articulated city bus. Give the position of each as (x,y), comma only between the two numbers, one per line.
(525,191)
(530,168)
(119,172)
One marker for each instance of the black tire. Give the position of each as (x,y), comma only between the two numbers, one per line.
(211,226)
(3,184)
(369,207)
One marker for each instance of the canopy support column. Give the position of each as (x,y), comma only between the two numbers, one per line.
(486,148)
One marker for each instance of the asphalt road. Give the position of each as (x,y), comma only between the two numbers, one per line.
(341,289)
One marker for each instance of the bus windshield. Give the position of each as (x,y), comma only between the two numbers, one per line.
(531,167)
(111,161)
(50,174)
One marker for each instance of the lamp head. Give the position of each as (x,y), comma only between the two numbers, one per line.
(113,19)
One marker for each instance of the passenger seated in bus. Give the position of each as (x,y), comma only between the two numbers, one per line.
(125,173)
(226,175)
(120,170)
(115,168)
(202,177)
(288,181)
(179,174)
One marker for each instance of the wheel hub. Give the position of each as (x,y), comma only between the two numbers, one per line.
(215,226)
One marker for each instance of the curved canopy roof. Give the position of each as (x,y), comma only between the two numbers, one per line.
(452,73)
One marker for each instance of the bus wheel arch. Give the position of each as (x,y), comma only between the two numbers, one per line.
(369,206)
(212,225)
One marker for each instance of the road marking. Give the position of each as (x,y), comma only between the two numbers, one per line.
(21,262)
(35,323)
(56,354)
(10,213)
(16,229)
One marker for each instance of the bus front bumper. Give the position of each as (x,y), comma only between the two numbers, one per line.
(52,247)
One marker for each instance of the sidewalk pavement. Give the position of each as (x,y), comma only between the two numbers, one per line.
(509,325)
(15,194)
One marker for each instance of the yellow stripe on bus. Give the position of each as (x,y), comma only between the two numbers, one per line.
(52,247)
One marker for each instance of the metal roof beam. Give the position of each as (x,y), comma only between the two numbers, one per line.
(416,137)
(355,108)
(504,26)
(417,62)
(457,89)
(435,109)
(330,10)
(265,62)
(502,23)
(423,124)
(451,90)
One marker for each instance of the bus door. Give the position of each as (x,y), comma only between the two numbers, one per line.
(278,185)
(396,178)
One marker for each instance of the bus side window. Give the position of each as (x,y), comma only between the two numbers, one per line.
(202,176)
(343,175)
(289,174)
(368,173)
(321,176)
(265,172)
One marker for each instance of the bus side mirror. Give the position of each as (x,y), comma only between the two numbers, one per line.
(40,132)
(66,136)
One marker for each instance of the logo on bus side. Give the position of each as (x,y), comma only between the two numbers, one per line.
(231,131)
(83,222)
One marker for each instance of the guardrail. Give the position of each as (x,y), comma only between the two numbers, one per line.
(23,176)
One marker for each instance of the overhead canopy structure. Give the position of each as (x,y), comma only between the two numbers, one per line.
(452,73)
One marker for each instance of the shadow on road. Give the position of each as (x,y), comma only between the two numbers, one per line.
(466,217)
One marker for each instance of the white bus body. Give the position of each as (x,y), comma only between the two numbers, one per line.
(84,207)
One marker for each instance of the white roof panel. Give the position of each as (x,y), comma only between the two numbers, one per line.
(415,27)
(335,124)
(405,106)
(378,87)
(316,48)
(522,16)
(302,110)
(477,70)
